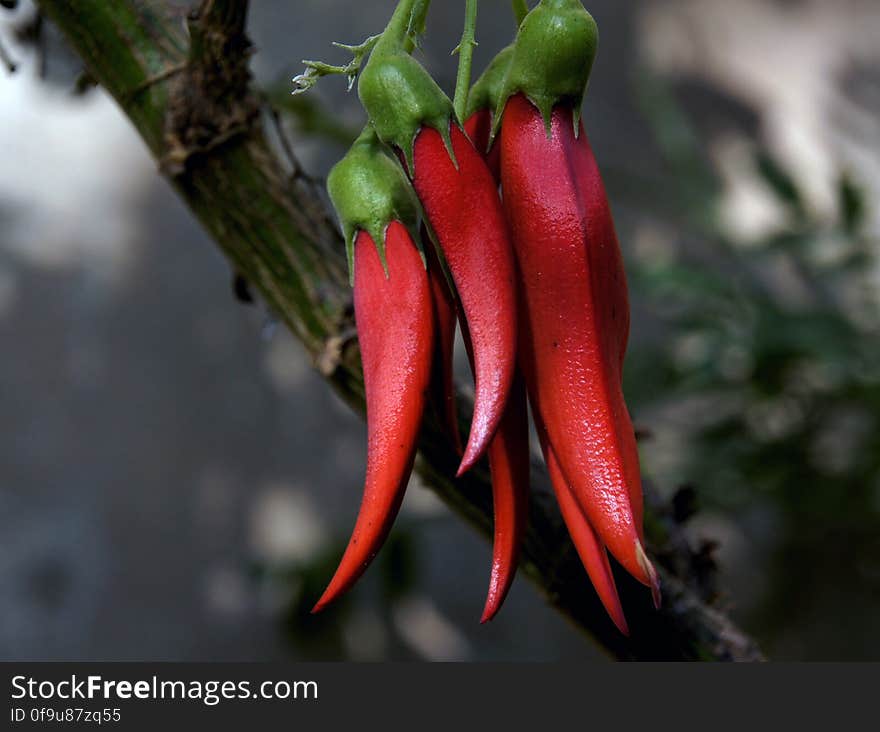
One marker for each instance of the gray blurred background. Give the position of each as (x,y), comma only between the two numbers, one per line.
(176,482)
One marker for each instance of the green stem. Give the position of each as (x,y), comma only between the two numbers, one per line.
(520,9)
(417,26)
(465,59)
(396,35)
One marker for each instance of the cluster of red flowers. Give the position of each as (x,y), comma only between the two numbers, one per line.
(502,224)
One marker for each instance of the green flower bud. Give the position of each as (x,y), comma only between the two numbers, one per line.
(400,97)
(369,190)
(552,58)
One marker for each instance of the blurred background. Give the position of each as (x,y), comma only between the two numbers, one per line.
(176,482)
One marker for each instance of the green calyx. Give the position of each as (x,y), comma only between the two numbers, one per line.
(487,90)
(369,191)
(400,98)
(552,59)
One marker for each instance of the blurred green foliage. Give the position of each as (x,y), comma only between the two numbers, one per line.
(766,358)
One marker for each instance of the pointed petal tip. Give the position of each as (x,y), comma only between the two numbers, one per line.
(651,573)
(477,444)
(322,603)
(493,605)
(656,593)
(611,602)
(467,462)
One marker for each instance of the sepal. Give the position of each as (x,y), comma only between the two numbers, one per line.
(552,59)
(369,191)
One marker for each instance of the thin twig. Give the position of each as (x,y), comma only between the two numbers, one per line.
(465,59)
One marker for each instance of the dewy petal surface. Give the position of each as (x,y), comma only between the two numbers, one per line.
(574,318)
(395,332)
